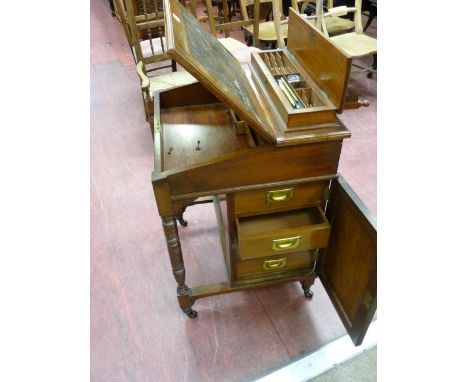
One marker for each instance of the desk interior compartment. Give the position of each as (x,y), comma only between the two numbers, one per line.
(298,99)
(285,71)
(192,126)
(316,71)
(282,233)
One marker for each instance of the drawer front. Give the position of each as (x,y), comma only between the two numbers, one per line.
(279,198)
(275,264)
(278,238)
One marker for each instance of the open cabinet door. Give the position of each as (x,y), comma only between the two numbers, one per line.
(348,266)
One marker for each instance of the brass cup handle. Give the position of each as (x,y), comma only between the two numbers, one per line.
(279,195)
(270,265)
(286,243)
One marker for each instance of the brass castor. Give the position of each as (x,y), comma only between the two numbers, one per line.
(306,288)
(308,293)
(182,221)
(191,313)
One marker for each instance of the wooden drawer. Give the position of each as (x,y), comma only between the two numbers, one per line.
(275,264)
(282,232)
(279,198)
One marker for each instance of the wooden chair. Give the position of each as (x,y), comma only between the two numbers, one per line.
(149,48)
(121,14)
(355,43)
(271,33)
(151,40)
(336,25)
(147,31)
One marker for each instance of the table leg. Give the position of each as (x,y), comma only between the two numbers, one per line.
(169,224)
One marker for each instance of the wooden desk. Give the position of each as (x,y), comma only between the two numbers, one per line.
(270,170)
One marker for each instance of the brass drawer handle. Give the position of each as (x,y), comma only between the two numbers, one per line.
(286,243)
(279,195)
(269,265)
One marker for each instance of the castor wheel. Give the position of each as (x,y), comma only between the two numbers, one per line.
(370,75)
(308,293)
(191,313)
(182,221)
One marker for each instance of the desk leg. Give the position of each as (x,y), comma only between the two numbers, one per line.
(306,285)
(169,224)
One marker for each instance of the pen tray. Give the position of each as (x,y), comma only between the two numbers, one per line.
(305,106)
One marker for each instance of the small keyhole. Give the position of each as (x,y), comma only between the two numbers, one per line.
(198,146)
(170,150)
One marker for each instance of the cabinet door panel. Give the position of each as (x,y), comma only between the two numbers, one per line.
(348,266)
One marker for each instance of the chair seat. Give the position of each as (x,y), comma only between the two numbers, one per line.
(157,47)
(356,44)
(267,31)
(337,25)
(240,51)
(166,81)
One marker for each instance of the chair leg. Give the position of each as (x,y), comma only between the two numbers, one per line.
(248,39)
(369,22)
(373,66)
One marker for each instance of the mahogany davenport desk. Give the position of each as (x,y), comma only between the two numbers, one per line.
(269,166)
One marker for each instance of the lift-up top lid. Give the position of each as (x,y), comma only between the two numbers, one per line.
(212,64)
(325,62)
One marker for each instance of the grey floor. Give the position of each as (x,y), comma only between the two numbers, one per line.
(362,368)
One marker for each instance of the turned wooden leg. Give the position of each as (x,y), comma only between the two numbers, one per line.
(177,263)
(306,285)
